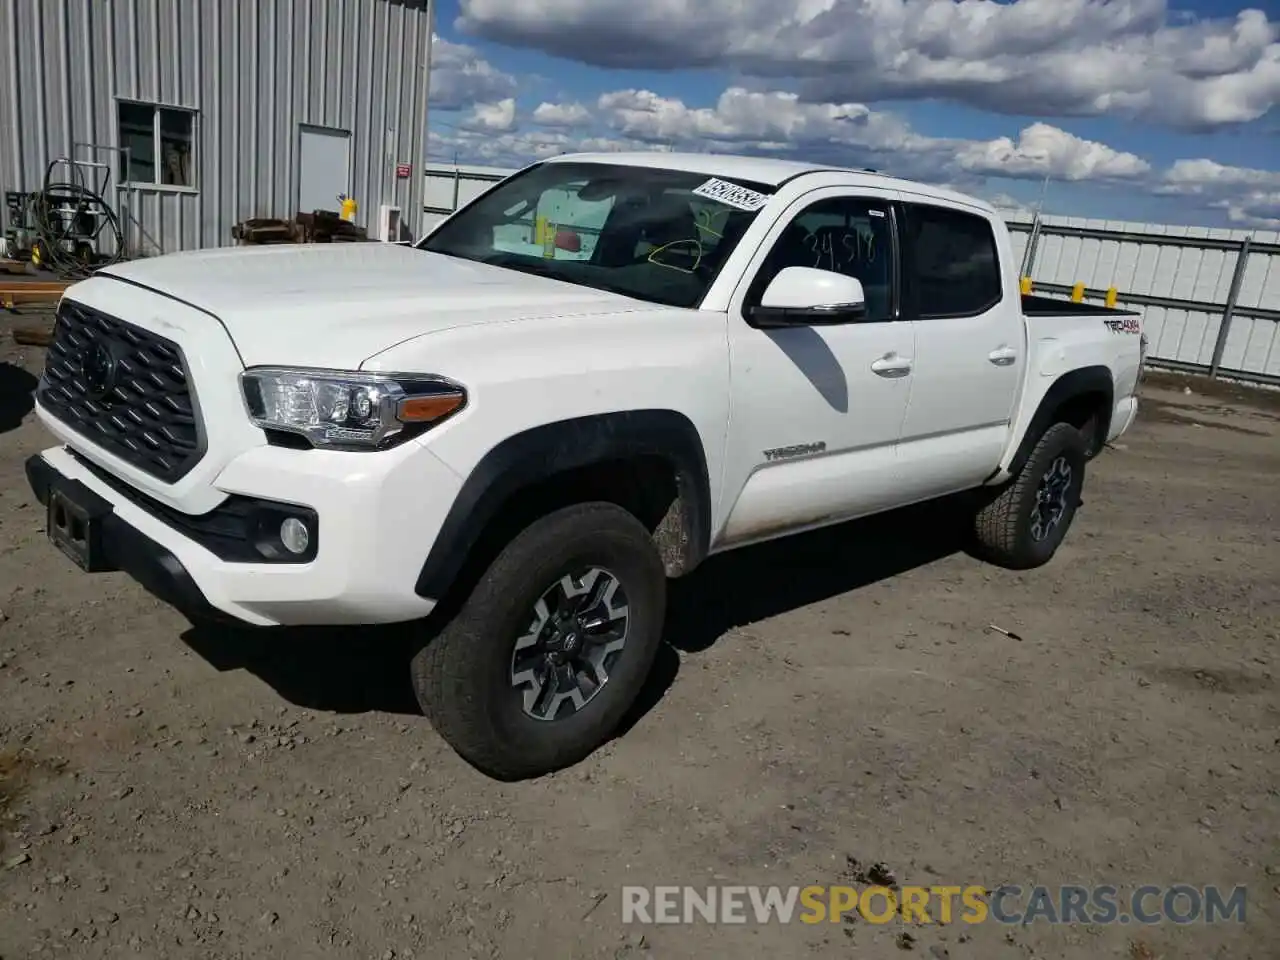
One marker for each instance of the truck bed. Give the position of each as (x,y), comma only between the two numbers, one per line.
(1034,306)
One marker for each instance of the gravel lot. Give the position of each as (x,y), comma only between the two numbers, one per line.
(175,793)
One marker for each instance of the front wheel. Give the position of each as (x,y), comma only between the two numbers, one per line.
(1022,525)
(551,649)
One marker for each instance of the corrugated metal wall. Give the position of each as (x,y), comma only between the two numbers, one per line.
(254,70)
(1188,271)
(1182,284)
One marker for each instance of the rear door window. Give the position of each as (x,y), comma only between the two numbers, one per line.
(954,267)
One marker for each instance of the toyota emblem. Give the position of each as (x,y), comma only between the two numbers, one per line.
(99,369)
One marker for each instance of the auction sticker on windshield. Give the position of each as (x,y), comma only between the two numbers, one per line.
(731,194)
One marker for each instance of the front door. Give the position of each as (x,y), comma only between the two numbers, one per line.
(324,164)
(816,412)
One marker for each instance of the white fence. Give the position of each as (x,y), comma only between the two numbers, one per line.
(1210,298)
(449,187)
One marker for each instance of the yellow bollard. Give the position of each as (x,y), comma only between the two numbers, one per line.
(1112,296)
(1077,293)
(1026,286)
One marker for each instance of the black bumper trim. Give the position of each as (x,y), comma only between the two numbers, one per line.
(127,549)
(238,530)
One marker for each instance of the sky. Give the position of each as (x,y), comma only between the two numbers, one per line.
(1159,111)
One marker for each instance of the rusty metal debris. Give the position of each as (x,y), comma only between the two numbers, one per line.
(320,226)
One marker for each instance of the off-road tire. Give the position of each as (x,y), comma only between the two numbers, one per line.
(462,676)
(1003,523)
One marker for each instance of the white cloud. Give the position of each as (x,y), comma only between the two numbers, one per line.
(847,134)
(561,115)
(776,124)
(1249,197)
(1044,150)
(460,77)
(617,145)
(1255,210)
(1010,206)
(853,134)
(518,148)
(510,149)
(1130,58)
(741,115)
(499,117)
(1205,176)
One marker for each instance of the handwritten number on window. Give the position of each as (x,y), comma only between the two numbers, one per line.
(860,246)
(852,249)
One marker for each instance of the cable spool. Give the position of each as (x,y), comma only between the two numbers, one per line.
(69,220)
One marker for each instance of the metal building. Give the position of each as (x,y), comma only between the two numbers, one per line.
(201,113)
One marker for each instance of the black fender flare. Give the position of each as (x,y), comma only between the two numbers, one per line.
(1076,383)
(541,452)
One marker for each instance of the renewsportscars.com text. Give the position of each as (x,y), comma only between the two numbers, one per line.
(972,904)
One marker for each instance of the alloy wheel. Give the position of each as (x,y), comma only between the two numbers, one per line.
(577,631)
(1051,499)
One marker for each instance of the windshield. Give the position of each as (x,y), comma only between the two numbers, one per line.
(658,235)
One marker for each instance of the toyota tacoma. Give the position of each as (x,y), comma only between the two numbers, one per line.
(586,381)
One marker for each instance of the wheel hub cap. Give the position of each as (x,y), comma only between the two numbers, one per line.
(576,633)
(1051,499)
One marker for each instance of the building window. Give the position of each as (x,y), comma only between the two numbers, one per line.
(160,141)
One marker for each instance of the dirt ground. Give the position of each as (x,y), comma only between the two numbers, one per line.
(174,793)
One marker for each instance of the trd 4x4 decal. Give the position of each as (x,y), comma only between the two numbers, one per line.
(1128,325)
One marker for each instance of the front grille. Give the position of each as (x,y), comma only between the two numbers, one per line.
(125,389)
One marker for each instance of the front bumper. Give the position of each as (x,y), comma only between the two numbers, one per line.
(125,548)
(378,516)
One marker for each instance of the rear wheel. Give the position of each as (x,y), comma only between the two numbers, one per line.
(1022,525)
(546,656)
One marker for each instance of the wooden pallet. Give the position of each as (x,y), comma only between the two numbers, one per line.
(33,336)
(15,291)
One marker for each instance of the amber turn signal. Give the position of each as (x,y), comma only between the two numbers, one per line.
(429,408)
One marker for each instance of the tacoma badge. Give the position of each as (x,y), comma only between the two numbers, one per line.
(799,450)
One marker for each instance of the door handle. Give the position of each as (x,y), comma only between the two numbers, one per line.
(891,365)
(1003,357)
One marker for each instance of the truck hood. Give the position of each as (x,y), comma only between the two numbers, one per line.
(338,304)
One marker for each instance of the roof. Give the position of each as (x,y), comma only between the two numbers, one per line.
(765,170)
(760,169)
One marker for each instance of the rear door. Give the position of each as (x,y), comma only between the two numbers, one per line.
(970,350)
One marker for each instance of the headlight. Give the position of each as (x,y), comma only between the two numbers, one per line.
(348,410)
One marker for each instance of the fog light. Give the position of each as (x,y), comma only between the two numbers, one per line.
(295,536)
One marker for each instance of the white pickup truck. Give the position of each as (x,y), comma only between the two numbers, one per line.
(597,374)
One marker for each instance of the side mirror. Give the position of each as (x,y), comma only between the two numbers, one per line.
(806,296)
